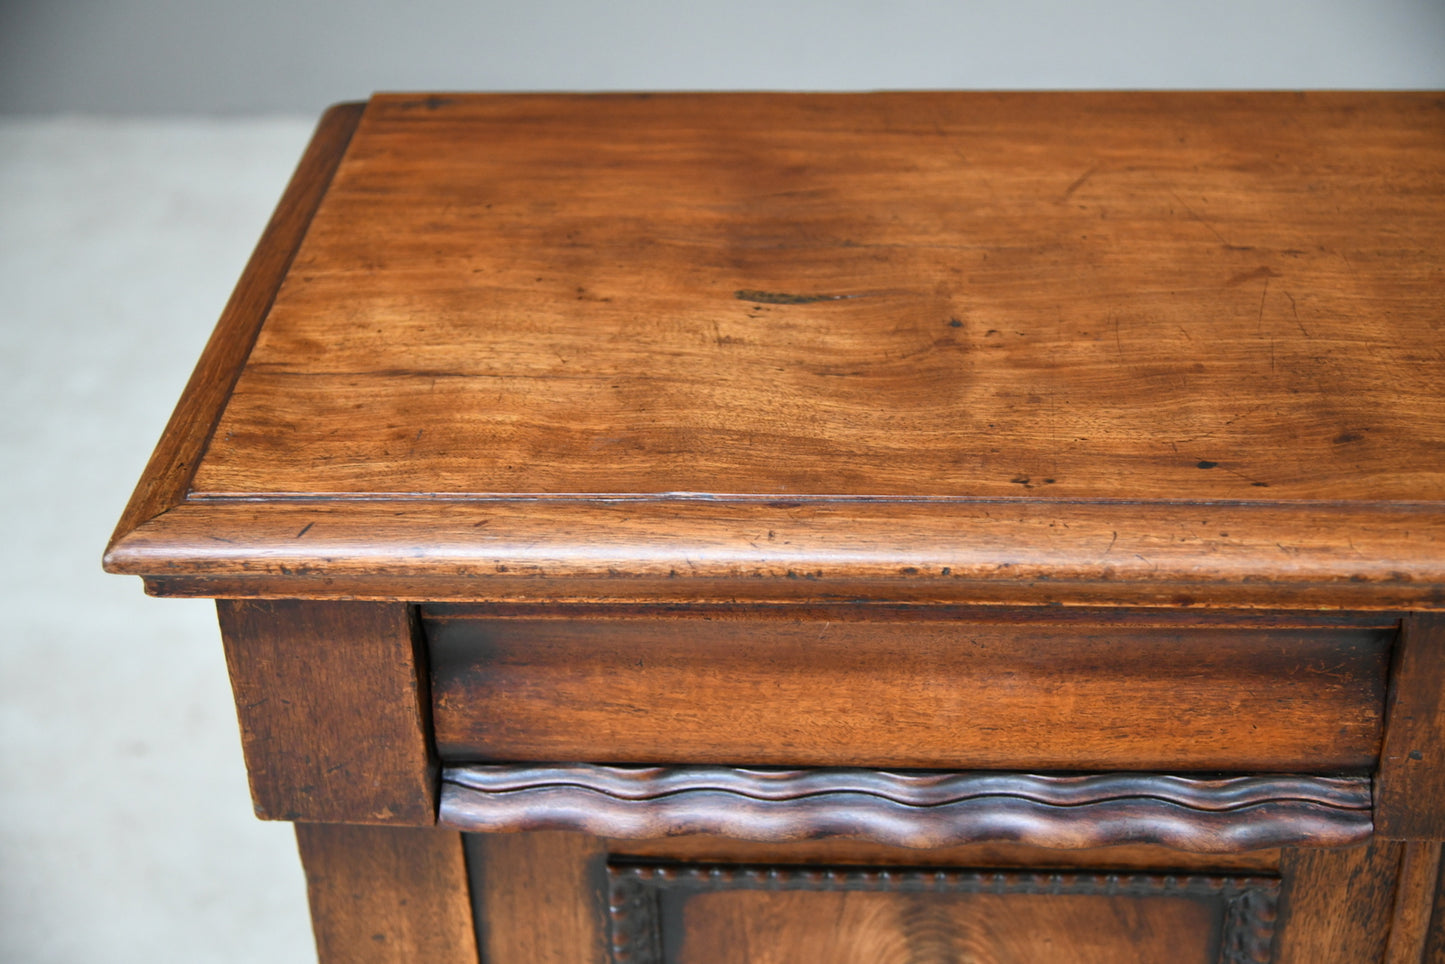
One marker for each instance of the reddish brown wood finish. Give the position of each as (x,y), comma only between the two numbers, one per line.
(387,895)
(724,413)
(1337,904)
(845,853)
(1434,950)
(717,551)
(539,898)
(333,709)
(917,693)
(1411,785)
(758,294)
(719,915)
(1022,348)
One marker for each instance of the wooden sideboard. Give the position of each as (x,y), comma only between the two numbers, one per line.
(898,527)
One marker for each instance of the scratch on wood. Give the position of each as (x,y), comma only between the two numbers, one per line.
(783,298)
(1244,276)
(1078,183)
(1295,311)
(1196,217)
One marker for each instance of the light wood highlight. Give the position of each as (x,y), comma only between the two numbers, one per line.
(1151,296)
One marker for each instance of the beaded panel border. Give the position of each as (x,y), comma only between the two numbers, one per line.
(1249,904)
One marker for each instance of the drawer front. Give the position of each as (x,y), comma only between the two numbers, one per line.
(1112,694)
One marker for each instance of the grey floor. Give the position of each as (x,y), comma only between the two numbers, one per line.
(125,824)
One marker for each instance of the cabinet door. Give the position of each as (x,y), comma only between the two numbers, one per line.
(695,914)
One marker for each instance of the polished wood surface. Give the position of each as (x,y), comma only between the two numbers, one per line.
(861,295)
(387,895)
(909,692)
(331,700)
(1161,348)
(1090,440)
(172,465)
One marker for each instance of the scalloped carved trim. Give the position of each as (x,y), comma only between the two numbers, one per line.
(916,809)
(1249,903)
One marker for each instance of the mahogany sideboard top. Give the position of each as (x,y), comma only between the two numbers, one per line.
(966,348)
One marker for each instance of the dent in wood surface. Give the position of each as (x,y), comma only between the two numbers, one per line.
(334,712)
(915,809)
(387,895)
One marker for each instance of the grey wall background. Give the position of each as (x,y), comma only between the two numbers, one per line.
(125,827)
(190,56)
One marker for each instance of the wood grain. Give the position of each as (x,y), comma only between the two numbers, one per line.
(917,810)
(333,708)
(539,898)
(863,295)
(1128,349)
(914,692)
(1434,950)
(387,895)
(1411,779)
(1337,905)
(1415,896)
(720,914)
(167,476)
(1381,557)
(748,927)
